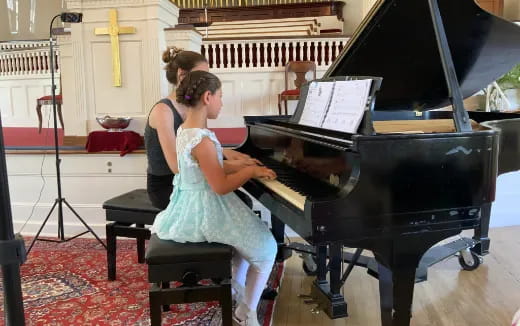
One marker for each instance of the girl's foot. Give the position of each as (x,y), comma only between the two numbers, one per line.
(249,320)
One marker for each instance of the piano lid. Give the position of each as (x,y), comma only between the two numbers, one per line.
(397,41)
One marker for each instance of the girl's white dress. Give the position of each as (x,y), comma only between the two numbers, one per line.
(196,213)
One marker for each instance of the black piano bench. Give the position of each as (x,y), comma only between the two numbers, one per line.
(188,263)
(122,212)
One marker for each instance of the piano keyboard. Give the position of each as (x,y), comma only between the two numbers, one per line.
(285,192)
(293,185)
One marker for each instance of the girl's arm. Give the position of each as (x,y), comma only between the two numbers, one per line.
(162,119)
(206,155)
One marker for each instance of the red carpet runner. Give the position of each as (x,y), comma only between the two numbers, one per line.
(66,284)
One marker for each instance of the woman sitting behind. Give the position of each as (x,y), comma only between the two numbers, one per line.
(161,128)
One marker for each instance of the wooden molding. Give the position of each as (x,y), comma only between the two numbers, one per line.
(312,9)
(496,7)
(74,141)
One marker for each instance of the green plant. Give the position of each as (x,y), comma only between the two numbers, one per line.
(511,79)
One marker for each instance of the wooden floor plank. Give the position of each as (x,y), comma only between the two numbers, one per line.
(488,296)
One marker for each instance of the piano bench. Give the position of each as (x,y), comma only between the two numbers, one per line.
(122,212)
(188,263)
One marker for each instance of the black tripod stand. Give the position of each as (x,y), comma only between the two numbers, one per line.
(67,18)
(12,250)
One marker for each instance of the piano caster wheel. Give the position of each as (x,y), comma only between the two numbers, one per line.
(469,260)
(309,264)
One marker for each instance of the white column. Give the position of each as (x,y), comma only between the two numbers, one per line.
(87,78)
(184,37)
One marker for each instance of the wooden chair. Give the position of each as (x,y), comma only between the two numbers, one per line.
(47,100)
(300,69)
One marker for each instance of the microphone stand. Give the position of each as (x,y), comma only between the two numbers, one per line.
(71,18)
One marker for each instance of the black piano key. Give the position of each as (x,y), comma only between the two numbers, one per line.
(298,181)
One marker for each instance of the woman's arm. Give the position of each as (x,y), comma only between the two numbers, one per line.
(206,155)
(161,119)
(232,166)
(231,154)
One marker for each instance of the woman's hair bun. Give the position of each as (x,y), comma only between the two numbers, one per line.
(170,54)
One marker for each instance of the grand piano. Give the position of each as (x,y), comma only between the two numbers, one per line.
(396,193)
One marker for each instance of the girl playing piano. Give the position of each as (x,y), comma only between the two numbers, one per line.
(203,206)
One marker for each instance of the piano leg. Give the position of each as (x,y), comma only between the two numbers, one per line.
(396,294)
(398,260)
(321,261)
(386,298)
(482,232)
(328,297)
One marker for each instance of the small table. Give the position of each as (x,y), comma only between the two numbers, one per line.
(122,141)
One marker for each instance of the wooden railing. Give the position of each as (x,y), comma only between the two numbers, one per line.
(26,58)
(23,45)
(271,53)
(184,4)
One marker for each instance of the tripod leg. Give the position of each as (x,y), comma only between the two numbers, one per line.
(60,115)
(43,225)
(61,229)
(84,223)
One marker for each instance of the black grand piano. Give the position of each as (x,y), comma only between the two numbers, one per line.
(396,194)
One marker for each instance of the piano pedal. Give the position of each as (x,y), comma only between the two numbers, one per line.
(308,299)
(316,310)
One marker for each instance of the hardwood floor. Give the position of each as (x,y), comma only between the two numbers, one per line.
(488,296)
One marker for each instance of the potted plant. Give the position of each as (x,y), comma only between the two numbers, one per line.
(510,85)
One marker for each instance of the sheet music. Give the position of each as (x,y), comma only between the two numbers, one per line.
(316,103)
(347,105)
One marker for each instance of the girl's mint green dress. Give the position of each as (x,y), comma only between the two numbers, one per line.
(196,213)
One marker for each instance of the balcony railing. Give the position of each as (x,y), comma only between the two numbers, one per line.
(26,58)
(188,4)
(271,53)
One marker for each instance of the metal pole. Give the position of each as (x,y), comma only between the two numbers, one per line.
(11,250)
(61,231)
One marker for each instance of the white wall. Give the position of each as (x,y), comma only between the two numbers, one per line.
(505,209)
(45,10)
(18,96)
(87,181)
(86,62)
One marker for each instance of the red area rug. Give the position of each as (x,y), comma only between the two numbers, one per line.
(66,284)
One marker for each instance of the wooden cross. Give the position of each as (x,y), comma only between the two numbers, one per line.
(114,30)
